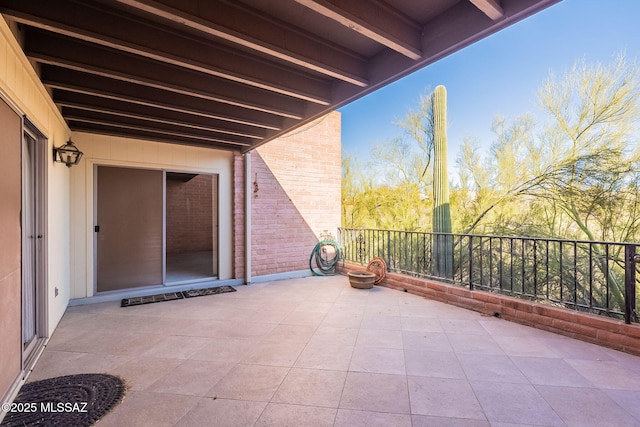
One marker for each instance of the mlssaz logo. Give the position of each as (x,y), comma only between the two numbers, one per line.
(63,407)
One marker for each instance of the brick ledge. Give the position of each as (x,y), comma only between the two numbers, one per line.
(587,327)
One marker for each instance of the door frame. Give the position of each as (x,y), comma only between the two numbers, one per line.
(92,241)
(30,353)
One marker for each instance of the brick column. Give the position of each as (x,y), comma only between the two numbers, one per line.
(238,215)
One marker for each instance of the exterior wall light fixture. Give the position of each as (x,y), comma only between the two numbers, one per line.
(67,154)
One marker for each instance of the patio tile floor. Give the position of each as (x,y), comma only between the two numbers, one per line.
(317,352)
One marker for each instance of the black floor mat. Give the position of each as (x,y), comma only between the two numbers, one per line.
(129,302)
(72,400)
(150,299)
(208,291)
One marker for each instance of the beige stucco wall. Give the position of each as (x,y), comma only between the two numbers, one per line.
(20,84)
(115,151)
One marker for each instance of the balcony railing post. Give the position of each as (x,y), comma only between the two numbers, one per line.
(388,250)
(629,283)
(470,263)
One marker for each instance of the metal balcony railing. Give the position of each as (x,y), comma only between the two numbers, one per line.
(596,277)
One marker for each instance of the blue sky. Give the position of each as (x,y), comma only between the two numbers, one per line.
(499,75)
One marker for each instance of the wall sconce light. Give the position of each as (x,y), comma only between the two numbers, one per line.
(67,154)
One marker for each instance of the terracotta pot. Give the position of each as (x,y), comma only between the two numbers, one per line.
(361,279)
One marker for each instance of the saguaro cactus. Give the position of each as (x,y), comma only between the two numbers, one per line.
(442,246)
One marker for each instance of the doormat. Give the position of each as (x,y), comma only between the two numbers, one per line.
(129,302)
(72,400)
(208,291)
(150,299)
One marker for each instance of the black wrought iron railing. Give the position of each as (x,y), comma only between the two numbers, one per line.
(597,277)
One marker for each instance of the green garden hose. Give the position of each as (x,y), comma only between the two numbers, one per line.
(328,261)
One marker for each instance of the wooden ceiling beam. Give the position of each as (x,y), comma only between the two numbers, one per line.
(80,102)
(101,87)
(245,27)
(66,52)
(146,127)
(491,8)
(95,128)
(375,20)
(76,114)
(116,30)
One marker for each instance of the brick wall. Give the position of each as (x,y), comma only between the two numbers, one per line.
(295,183)
(307,165)
(190,214)
(583,326)
(281,237)
(296,195)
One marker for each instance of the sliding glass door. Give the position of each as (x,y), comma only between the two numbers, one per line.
(128,228)
(154,227)
(33,292)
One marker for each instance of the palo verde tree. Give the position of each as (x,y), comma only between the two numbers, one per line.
(578,177)
(394,203)
(595,118)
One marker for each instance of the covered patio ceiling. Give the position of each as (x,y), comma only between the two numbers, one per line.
(235,74)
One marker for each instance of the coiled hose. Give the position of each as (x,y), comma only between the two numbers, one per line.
(328,258)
